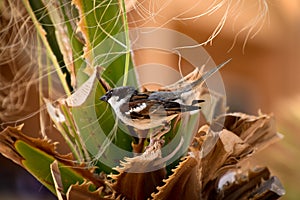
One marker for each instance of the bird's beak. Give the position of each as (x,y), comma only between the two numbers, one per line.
(104,98)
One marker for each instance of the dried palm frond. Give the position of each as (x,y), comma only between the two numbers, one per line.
(213,167)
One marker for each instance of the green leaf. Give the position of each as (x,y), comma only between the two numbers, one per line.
(41,169)
(44,28)
(105,30)
(36,156)
(103,25)
(63,18)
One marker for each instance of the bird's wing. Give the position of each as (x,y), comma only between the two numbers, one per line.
(164,96)
(140,108)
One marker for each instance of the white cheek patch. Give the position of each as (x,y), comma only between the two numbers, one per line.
(137,109)
(113,101)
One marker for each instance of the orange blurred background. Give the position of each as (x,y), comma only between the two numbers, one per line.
(264,70)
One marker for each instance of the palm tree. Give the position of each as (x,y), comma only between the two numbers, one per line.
(61,56)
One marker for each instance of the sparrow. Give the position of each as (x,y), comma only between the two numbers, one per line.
(151,109)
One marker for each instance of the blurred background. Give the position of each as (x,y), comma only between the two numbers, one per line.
(263,41)
(264,73)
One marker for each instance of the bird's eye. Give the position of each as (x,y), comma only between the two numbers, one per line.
(109,93)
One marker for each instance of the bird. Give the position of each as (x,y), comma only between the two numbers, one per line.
(151,109)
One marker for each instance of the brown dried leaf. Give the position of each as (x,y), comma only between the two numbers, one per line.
(226,152)
(270,189)
(242,135)
(186,80)
(10,135)
(139,176)
(184,183)
(82,191)
(82,93)
(258,131)
(213,154)
(254,184)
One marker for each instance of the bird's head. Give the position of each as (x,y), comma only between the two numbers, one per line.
(124,92)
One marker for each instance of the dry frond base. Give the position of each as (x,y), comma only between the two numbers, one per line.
(213,168)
